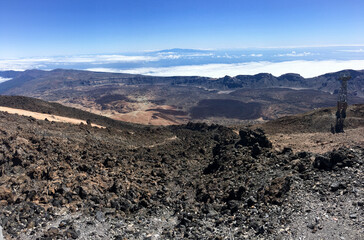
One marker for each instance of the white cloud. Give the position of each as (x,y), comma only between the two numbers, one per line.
(37,63)
(4,79)
(111,70)
(304,68)
(123,58)
(21,64)
(42,63)
(200,55)
(256,55)
(171,56)
(353,50)
(175,55)
(310,46)
(294,54)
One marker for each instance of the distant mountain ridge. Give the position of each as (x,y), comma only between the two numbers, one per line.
(35,80)
(175,100)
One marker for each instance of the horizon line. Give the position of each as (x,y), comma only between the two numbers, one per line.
(187,48)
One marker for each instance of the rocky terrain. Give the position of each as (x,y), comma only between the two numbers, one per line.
(192,181)
(315,121)
(178,100)
(311,131)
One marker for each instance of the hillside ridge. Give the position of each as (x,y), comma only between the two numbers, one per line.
(176,100)
(41,106)
(323,82)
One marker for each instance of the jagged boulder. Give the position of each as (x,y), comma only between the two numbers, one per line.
(339,158)
(275,192)
(6,195)
(250,138)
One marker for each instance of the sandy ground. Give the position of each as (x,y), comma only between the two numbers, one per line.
(141,113)
(318,142)
(43,116)
(143,117)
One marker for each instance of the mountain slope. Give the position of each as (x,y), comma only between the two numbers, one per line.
(37,79)
(311,131)
(193,181)
(175,100)
(37,105)
(318,120)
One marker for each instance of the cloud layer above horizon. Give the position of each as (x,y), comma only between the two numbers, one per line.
(304,68)
(308,62)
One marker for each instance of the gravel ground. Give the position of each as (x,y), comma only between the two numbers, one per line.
(194,181)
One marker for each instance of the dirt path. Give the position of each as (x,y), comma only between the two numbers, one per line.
(43,116)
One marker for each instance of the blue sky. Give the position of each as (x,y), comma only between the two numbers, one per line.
(229,37)
(70,27)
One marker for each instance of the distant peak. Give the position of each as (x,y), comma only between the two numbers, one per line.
(263,75)
(181,50)
(291,75)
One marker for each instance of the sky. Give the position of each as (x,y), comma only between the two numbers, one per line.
(59,27)
(130,29)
